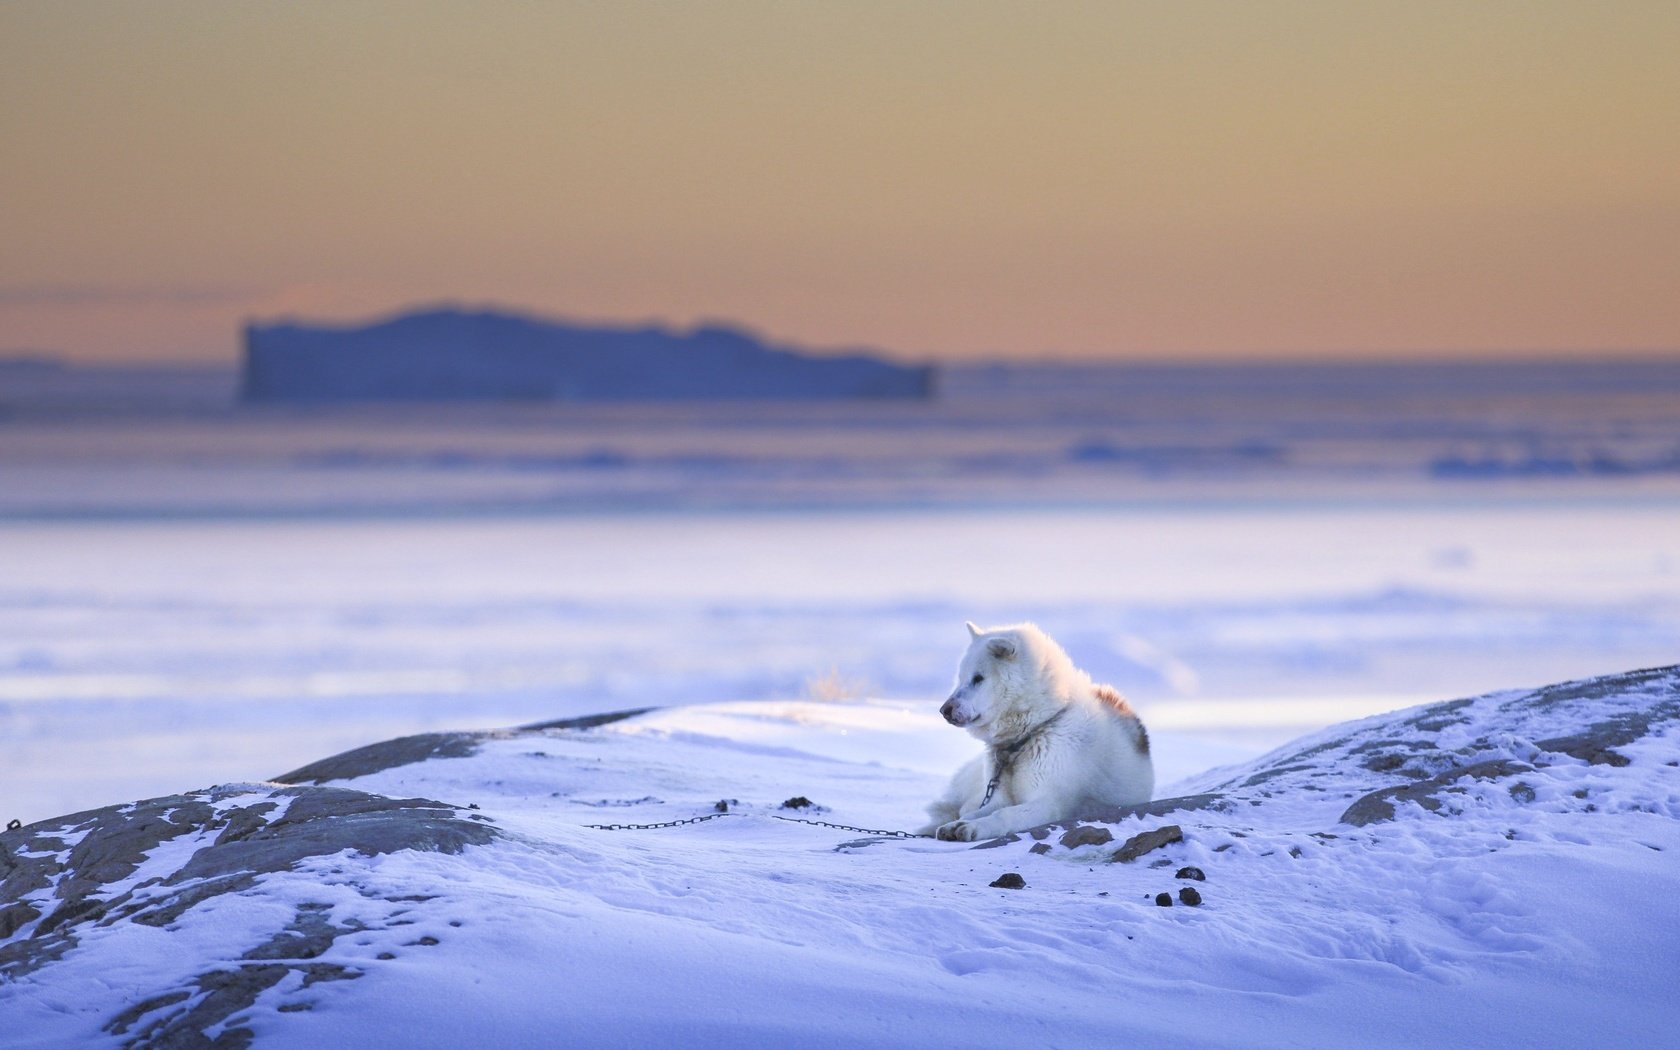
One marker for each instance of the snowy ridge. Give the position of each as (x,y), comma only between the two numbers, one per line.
(1496,870)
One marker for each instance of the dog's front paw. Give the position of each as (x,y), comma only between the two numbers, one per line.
(957,831)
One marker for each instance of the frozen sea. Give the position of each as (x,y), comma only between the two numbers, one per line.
(192,592)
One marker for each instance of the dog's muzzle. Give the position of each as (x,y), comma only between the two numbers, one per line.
(949,711)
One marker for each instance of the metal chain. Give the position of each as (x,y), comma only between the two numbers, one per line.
(773,816)
(848,827)
(666,824)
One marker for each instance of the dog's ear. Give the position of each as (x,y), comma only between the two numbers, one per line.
(1001,648)
(973,631)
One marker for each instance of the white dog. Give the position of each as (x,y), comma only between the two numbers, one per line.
(1056,744)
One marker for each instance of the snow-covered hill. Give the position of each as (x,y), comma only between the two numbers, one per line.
(1490,871)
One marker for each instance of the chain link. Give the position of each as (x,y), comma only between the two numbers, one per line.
(773,816)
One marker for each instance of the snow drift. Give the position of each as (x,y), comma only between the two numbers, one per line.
(1494,870)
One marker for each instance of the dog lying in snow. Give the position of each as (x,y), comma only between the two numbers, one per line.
(1056,743)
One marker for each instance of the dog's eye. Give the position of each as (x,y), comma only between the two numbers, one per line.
(976,679)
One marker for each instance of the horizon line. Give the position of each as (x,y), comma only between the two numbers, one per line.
(1515,356)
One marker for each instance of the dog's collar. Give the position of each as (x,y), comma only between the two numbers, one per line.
(1003,755)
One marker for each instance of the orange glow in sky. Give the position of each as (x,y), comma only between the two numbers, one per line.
(946,180)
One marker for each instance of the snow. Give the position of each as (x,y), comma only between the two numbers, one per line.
(144,657)
(1537,921)
(200,597)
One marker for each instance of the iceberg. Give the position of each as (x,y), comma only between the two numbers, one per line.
(458,355)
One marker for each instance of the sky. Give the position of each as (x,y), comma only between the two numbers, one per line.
(945,181)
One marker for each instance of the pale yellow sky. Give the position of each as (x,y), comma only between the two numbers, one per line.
(942,179)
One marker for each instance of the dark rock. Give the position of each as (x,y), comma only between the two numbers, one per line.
(1437,717)
(388,754)
(1588,747)
(1215,801)
(1191,873)
(1087,836)
(1385,763)
(798,802)
(1379,806)
(1601,687)
(1009,880)
(1143,842)
(1190,895)
(1522,792)
(1276,771)
(14,917)
(237,844)
(586,721)
(1037,847)
(1163,900)
(1212,801)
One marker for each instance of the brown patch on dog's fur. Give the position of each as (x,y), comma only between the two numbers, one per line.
(1112,699)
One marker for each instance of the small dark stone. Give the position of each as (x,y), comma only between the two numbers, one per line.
(1040,848)
(292,1008)
(1009,880)
(723,804)
(385,955)
(1163,900)
(427,941)
(472,805)
(1087,835)
(1191,873)
(14,824)
(1522,792)
(1190,895)
(798,802)
(1223,846)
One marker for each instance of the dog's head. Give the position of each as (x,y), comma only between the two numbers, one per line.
(998,670)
